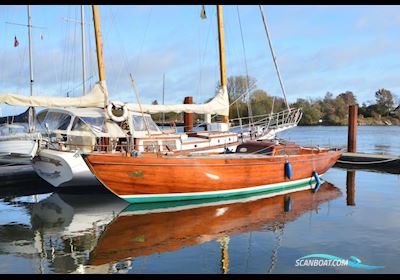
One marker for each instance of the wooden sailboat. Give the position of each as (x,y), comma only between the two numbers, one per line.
(168,178)
(254,167)
(146,229)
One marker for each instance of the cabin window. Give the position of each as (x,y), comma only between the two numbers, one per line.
(169,145)
(8,129)
(91,124)
(98,124)
(56,121)
(139,125)
(80,125)
(150,146)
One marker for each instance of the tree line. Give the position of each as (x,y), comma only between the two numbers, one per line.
(247,99)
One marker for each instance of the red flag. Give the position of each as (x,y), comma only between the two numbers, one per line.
(16,43)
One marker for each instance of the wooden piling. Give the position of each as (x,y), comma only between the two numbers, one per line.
(188,117)
(350,187)
(352,129)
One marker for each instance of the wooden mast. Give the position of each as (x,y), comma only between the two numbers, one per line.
(99,43)
(221,50)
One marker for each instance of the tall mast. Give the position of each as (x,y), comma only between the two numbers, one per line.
(163,94)
(99,43)
(221,46)
(30,50)
(31,116)
(221,50)
(83,49)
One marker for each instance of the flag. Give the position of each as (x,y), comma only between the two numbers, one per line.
(203,12)
(16,43)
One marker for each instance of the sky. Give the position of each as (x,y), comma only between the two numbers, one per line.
(319,49)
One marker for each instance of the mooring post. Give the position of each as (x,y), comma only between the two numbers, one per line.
(188,117)
(352,131)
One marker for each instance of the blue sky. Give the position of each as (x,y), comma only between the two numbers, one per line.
(319,49)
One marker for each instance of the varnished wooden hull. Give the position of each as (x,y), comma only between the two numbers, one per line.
(142,230)
(151,179)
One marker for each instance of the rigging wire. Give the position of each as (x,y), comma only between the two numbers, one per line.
(69,57)
(74,72)
(229,51)
(143,39)
(273,54)
(91,53)
(63,58)
(53,62)
(140,104)
(250,112)
(202,55)
(123,52)
(4,48)
(68,54)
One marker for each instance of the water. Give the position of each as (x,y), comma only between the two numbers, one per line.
(370,139)
(93,231)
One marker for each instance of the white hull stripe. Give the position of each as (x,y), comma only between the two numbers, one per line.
(211,194)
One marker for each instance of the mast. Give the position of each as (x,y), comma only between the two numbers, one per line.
(30,49)
(223,243)
(163,94)
(221,51)
(83,49)
(31,118)
(99,43)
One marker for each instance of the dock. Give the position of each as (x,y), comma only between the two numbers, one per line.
(375,162)
(356,160)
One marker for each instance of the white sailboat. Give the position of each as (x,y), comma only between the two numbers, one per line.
(18,141)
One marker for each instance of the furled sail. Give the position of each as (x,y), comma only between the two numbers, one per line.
(218,105)
(97,98)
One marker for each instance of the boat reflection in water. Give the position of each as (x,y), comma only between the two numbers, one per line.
(100,233)
(60,231)
(145,229)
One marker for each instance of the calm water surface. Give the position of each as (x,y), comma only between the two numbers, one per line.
(370,139)
(93,231)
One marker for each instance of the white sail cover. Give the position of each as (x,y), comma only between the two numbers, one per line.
(97,98)
(218,105)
